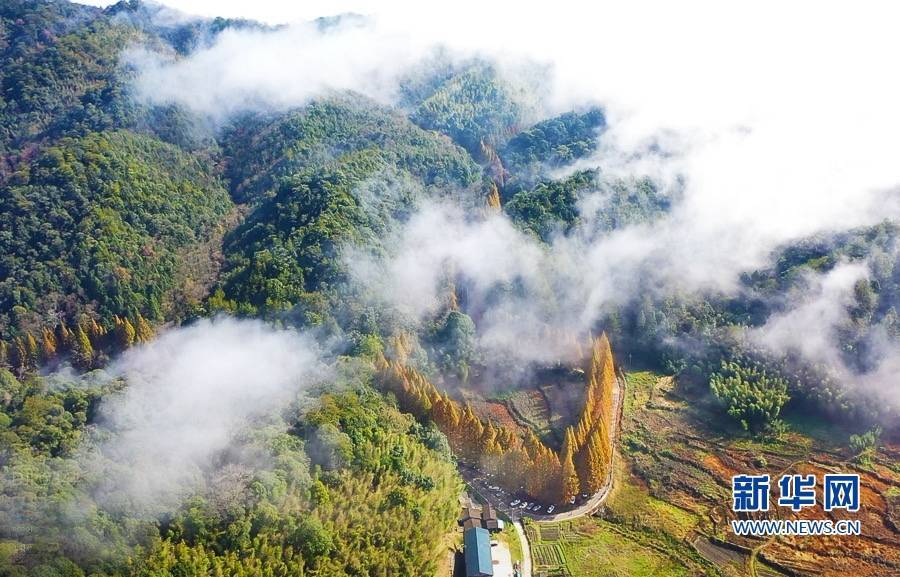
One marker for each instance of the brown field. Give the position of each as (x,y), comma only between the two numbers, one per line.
(675,452)
(552,403)
(497,412)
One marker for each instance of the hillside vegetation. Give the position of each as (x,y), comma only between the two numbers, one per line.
(122,220)
(581,465)
(354,487)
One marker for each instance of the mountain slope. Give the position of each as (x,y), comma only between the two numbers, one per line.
(92,226)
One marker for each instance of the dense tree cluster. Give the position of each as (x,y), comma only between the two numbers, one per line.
(87,344)
(60,73)
(552,207)
(749,393)
(589,444)
(521,462)
(96,226)
(380,508)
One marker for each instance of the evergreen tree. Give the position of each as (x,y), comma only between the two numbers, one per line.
(143,330)
(48,345)
(82,349)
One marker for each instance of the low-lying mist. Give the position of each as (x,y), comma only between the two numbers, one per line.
(190,393)
(759,136)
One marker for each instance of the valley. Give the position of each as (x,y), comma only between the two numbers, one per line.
(279,296)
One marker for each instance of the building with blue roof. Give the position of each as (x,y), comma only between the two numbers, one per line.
(477,551)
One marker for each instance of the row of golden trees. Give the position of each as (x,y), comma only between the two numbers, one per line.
(81,343)
(520,462)
(589,443)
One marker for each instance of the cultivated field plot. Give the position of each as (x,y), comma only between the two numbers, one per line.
(607,552)
(566,398)
(549,532)
(548,556)
(673,488)
(589,547)
(552,402)
(530,407)
(497,412)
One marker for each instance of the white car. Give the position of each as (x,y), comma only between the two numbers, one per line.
(524,505)
(572,501)
(514,503)
(551,508)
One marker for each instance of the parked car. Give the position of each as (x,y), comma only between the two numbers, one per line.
(538,508)
(524,505)
(514,503)
(551,508)
(572,501)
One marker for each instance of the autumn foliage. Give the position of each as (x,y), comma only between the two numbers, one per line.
(83,343)
(519,462)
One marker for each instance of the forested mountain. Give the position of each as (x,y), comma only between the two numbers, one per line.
(60,73)
(354,487)
(260,151)
(474,107)
(551,143)
(94,225)
(340,171)
(123,218)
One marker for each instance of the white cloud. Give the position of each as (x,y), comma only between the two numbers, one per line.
(190,391)
(823,306)
(809,327)
(774,120)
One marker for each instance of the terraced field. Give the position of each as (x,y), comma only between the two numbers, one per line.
(591,547)
(674,489)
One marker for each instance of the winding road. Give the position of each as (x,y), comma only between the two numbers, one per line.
(477,484)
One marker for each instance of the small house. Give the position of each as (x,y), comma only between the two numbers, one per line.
(477,552)
(489,519)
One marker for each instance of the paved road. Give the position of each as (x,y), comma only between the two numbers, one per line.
(500,499)
(526,549)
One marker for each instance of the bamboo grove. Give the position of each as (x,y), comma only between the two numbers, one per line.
(520,462)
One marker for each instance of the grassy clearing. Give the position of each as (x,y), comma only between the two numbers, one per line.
(633,505)
(590,547)
(607,552)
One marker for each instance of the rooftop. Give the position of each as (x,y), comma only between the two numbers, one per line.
(477,552)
